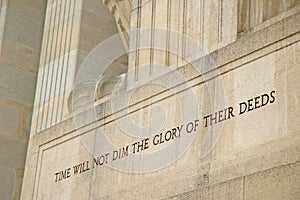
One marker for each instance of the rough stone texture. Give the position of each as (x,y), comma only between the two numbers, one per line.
(284,178)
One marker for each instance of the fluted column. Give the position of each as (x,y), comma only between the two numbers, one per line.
(72,29)
(182,31)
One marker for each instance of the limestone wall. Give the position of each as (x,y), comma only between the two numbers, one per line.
(211,24)
(21,26)
(229,125)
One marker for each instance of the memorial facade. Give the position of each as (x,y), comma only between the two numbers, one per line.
(150,99)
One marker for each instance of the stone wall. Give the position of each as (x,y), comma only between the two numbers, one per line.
(252,153)
(21,26)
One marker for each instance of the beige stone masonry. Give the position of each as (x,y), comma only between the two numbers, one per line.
(256,156)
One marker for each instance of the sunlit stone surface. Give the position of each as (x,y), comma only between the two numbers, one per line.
(194,99)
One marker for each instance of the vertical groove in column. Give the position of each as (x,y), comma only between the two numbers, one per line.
(52,63)
(3,8)
(152,35)
(1,1)
(179,35)
(49,71)
(220,21)
(54,70)
(44,51)
(136,69)
(184,22)
(201,23)
(59,66)
(244,13)
(249,15)
(244,188)
(44,92)
(68,57)
(62,55)
(167,60)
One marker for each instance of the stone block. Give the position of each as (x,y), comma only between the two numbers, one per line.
(10,119)
(7,177)
(19,55)
(232,189)
(24,23)
(17,84)
(12,152)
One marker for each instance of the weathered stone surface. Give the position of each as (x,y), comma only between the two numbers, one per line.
(15,157)
(279,183)
(9,119)
(21,30)
(17,84)
(243,155)
(7,176)
(72,30)
(251,154)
